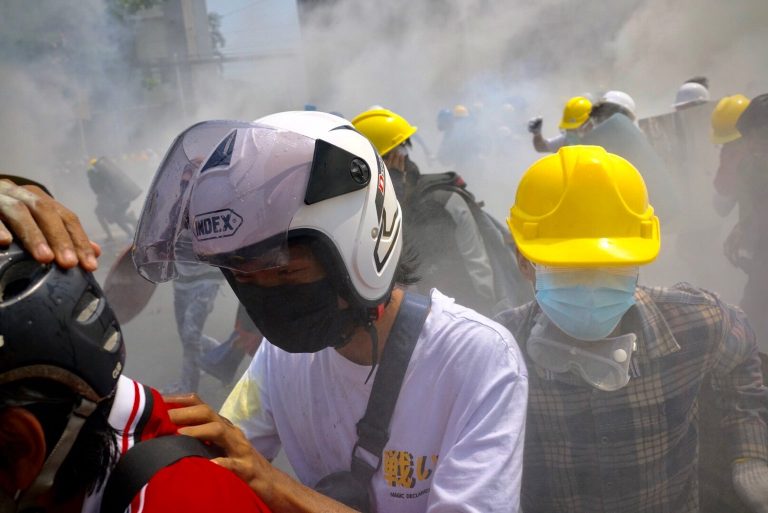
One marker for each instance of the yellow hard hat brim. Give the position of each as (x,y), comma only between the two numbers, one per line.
(399,140)
(724,138)
(569,126)
(590,252)
(573,124)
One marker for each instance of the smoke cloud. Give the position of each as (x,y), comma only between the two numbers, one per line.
(69,89)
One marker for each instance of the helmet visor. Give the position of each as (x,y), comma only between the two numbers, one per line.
(224,195)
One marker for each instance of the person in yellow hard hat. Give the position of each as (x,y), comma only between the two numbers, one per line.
(575,123)
(616,369)
(391,134)
(733,150)
(439,217)
(114,191)
(747,245)
(461,147)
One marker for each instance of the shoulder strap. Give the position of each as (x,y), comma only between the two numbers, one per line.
(142,461)
(373,428)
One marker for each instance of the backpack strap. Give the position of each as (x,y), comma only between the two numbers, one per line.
(142,461)
(373,428)
(449,179)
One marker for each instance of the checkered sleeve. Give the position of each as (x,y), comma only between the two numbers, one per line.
(738,379)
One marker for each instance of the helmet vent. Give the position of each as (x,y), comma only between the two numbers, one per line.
(18,278)
(112,340)
(87,308)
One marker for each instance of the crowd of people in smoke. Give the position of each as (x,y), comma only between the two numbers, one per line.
(410,352)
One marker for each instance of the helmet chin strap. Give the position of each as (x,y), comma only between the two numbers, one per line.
(374,348)
(44,480)
(374,314)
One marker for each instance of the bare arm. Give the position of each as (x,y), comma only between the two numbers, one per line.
(540,144)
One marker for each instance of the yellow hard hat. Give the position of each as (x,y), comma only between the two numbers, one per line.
(460,111)
(383,128)
(576,113)
(725,116)
(92,161)
(584,207)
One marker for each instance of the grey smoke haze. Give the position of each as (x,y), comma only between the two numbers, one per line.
(416,57)
(412,56)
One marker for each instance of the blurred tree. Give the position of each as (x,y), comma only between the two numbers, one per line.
(217,38)
(123,8)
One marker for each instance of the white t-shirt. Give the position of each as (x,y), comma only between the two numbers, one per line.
(457,431)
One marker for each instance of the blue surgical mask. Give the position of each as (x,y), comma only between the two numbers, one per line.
(587,304)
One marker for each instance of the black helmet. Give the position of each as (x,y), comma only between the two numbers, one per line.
(56,324)
(755,116)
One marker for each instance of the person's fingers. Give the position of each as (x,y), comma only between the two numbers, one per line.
(75,239)
(61,229)
(210,432)
(43,219)
(237,466)
(55,232)
(96,249)
(47,218)
(190,399)
(220,433)
(240,467)
(193,415)
(223,462)
(84,250)
(16,216)
(394,161)
(5,235)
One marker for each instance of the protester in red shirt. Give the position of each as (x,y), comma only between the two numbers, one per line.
(67,416)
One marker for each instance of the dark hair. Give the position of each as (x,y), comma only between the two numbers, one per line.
(95,449)
(604,110)
(699,79)
(405,274)
(755,116)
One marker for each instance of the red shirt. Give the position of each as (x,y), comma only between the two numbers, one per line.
(191,485)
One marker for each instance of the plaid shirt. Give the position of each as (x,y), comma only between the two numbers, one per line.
(636,449)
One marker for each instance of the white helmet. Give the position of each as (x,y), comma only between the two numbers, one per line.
(690,94)
(296,174)
(621,99)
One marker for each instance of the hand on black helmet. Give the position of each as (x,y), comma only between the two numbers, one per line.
(534,125)
(46,228)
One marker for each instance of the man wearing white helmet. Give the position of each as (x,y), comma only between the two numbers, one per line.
(613,102)
(299,212)
(690,95)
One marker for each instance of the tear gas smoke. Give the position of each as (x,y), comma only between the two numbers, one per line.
(69,89)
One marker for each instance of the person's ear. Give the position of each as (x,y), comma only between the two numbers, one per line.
(526,268)
(22,449)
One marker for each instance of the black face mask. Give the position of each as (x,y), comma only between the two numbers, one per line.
(303,318)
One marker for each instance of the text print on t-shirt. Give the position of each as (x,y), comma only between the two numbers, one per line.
(404,470)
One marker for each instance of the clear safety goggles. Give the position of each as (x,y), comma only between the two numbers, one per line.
(604,364)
